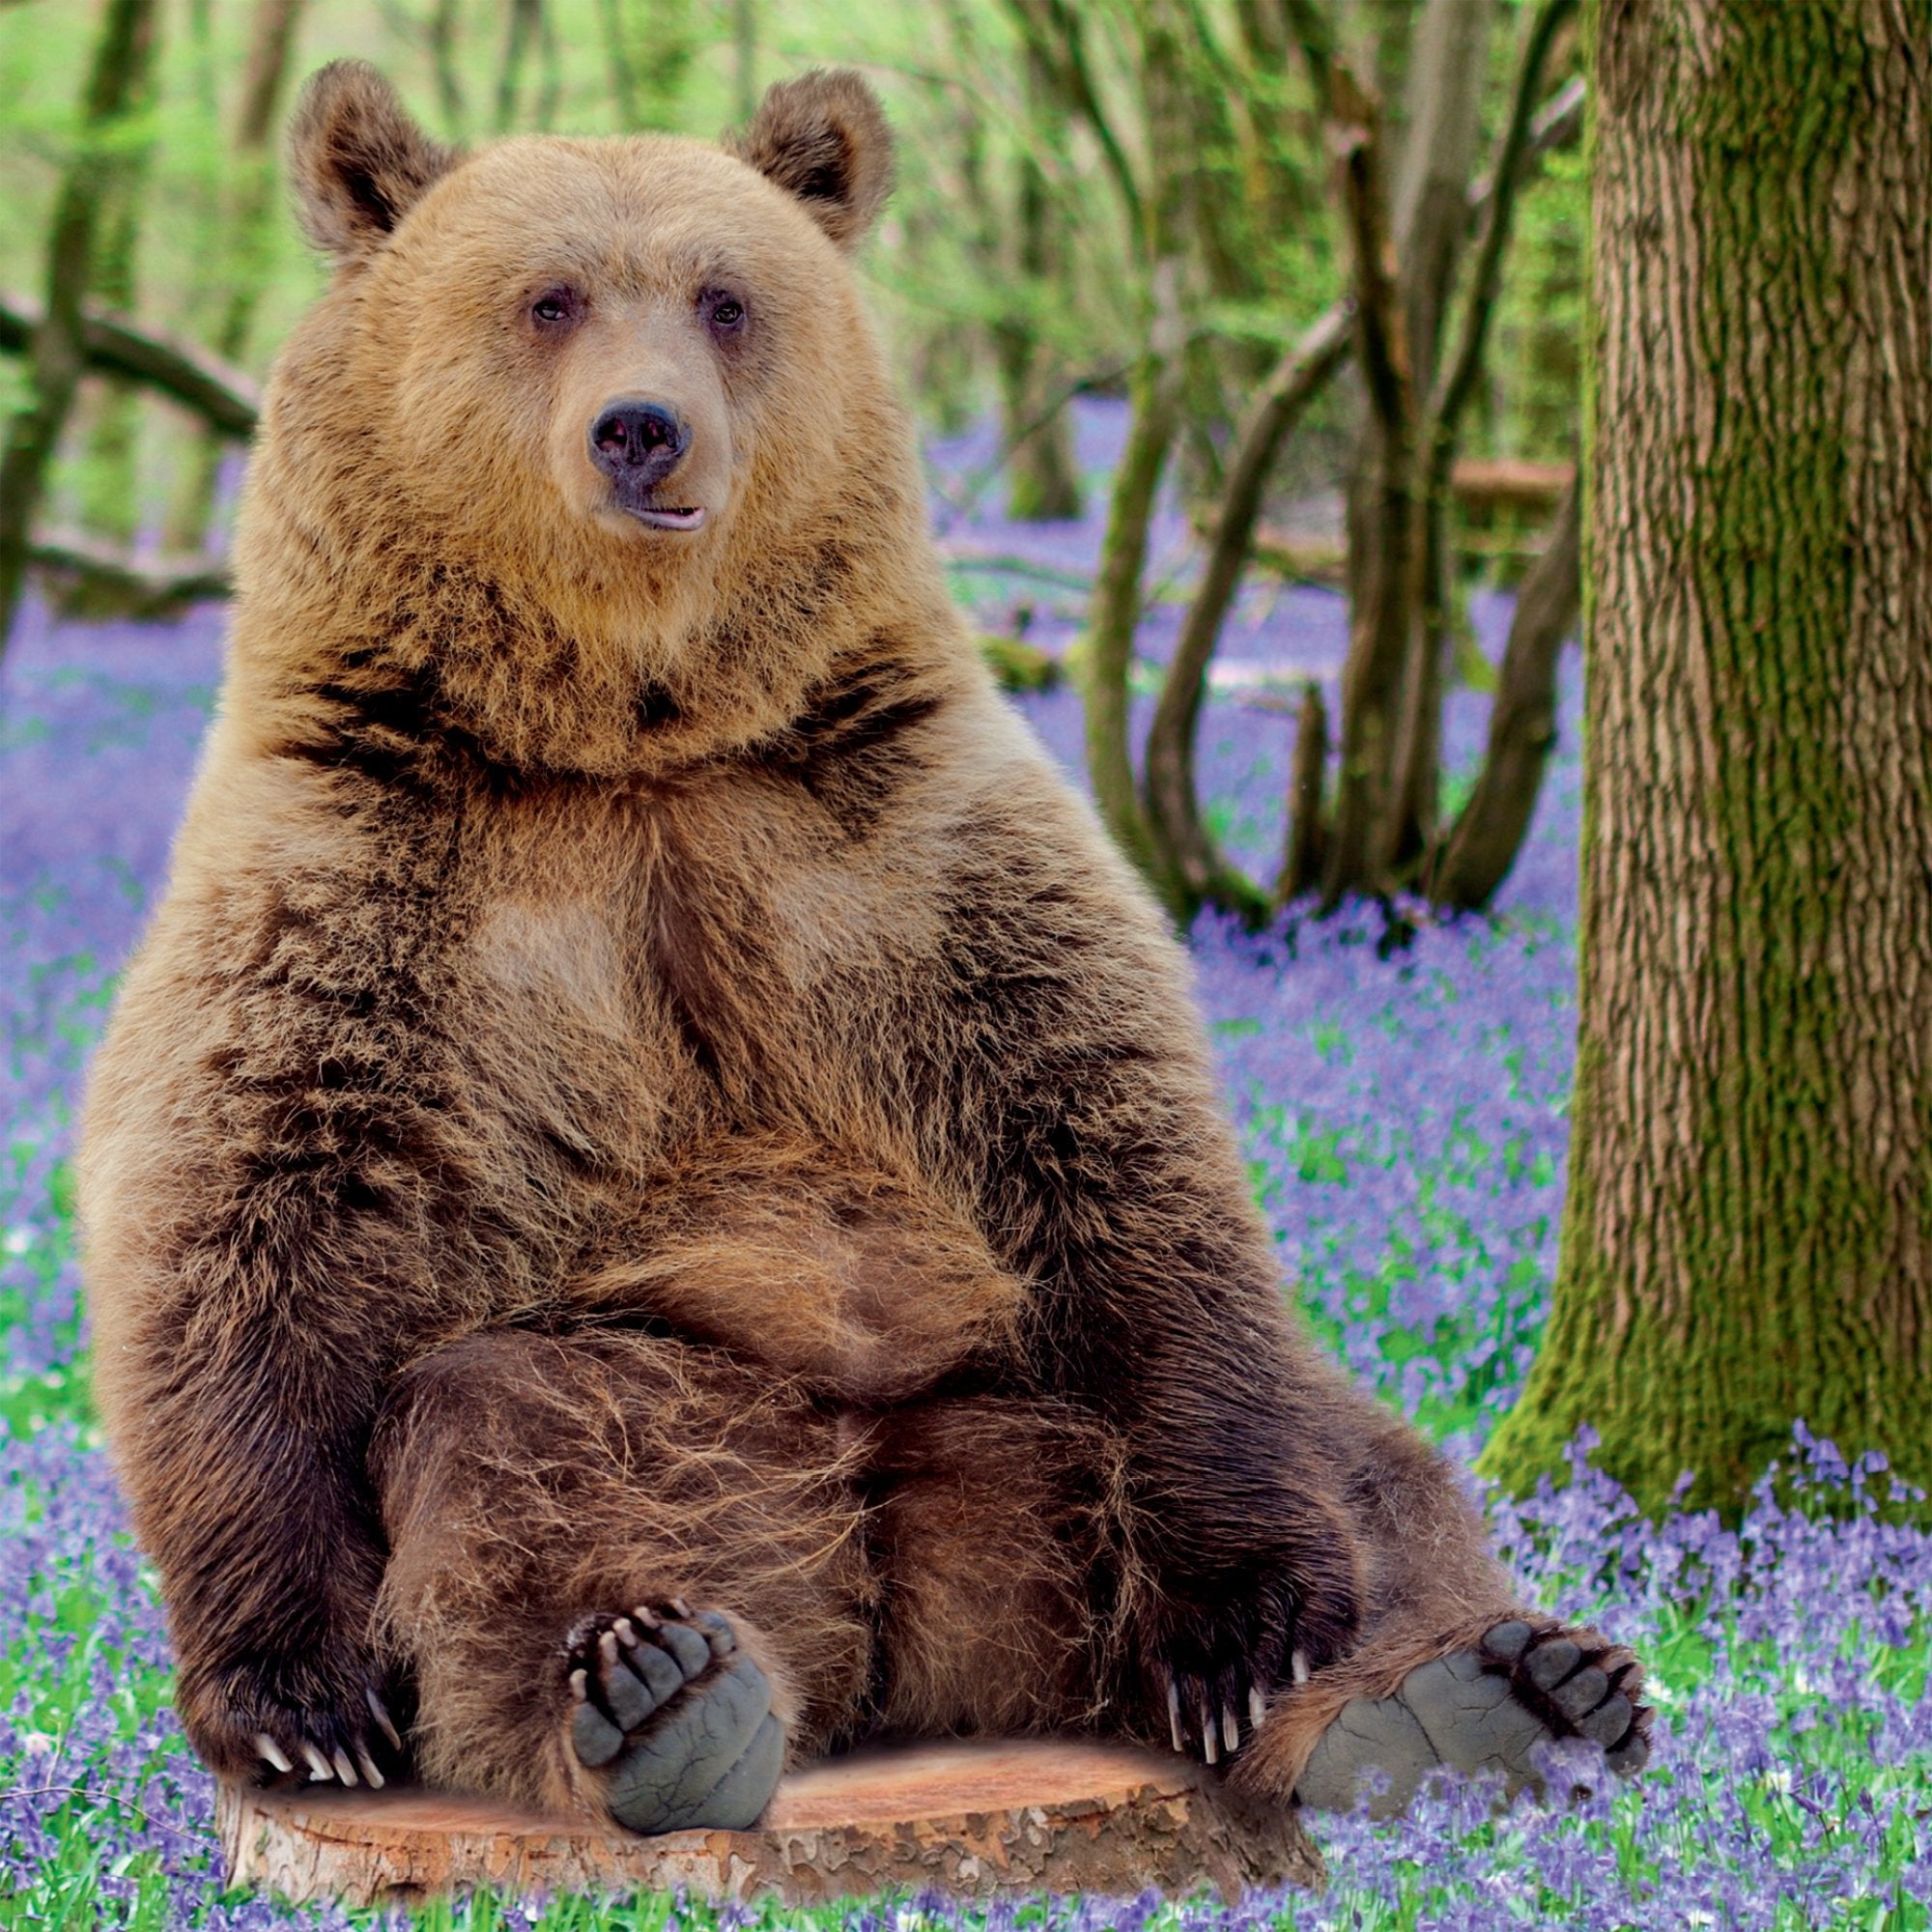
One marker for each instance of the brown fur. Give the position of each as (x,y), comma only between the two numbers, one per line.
(647,1080)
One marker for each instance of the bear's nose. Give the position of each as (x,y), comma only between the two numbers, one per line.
(638,443)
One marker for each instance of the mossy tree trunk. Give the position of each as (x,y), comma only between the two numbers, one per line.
(1748,1239)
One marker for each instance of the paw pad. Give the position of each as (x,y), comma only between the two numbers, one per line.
(673,1719)
(1491,1709)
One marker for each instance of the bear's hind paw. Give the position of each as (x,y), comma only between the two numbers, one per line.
(1494,1708)
(672,1721)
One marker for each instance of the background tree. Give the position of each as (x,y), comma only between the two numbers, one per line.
(110,497)
(1380,832)
(248,221)
(116,82)
(1043,477)
(1748,1231)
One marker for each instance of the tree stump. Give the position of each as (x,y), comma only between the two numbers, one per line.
(970,1819)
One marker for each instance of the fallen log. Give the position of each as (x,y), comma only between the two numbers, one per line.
(1487,484)
(970,1819)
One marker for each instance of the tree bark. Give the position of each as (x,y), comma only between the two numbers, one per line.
(1301,849)
(1412,830)
(1384,542)
(1748,1234)
(1390,566)
(1115,610)
(1448,67)
(123,58)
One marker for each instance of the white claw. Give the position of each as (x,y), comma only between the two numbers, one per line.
(1257,1706)
(680,1607)
(1297,1667)
(578,1688)
(319,1772)
(627,1633)
(607,1648)
(1174,1711)
(344,1770)
(1209,1744)
(380,1712)
(1231,1731)
(646,1616)
(369,1770)
(273,1751)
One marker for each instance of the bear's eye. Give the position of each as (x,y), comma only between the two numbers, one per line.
(726,313)
(554,307)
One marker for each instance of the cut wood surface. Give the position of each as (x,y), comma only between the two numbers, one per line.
(973,1819)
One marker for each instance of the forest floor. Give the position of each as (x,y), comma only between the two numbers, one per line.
(1405,1122)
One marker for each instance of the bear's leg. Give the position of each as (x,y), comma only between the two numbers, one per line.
(626,1575)
(1451,1670)
(988,1532)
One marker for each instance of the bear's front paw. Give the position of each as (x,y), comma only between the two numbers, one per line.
(1211,1666)
(673,1720)
(320,1720)
(1212,1648)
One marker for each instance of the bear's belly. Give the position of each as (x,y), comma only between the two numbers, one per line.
(865,1287)
(794,1251)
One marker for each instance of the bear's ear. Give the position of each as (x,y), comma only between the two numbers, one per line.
(359,162)
(824,138)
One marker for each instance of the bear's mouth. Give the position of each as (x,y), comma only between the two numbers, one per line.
(670,520)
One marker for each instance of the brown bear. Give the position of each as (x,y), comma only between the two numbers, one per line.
(655,1200)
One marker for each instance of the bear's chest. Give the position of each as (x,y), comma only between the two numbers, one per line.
(644,977)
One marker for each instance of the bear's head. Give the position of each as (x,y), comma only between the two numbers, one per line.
(586,415)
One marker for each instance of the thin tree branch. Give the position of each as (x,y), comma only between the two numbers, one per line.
(1115,610)
(1412,828)
(1482,846)
(205,385)
(246,247)
(1382,336)
(1558,122)
(1184,848)
(1506,178)
(1053,30)
(964,497)
(98,582)
(1384,597)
